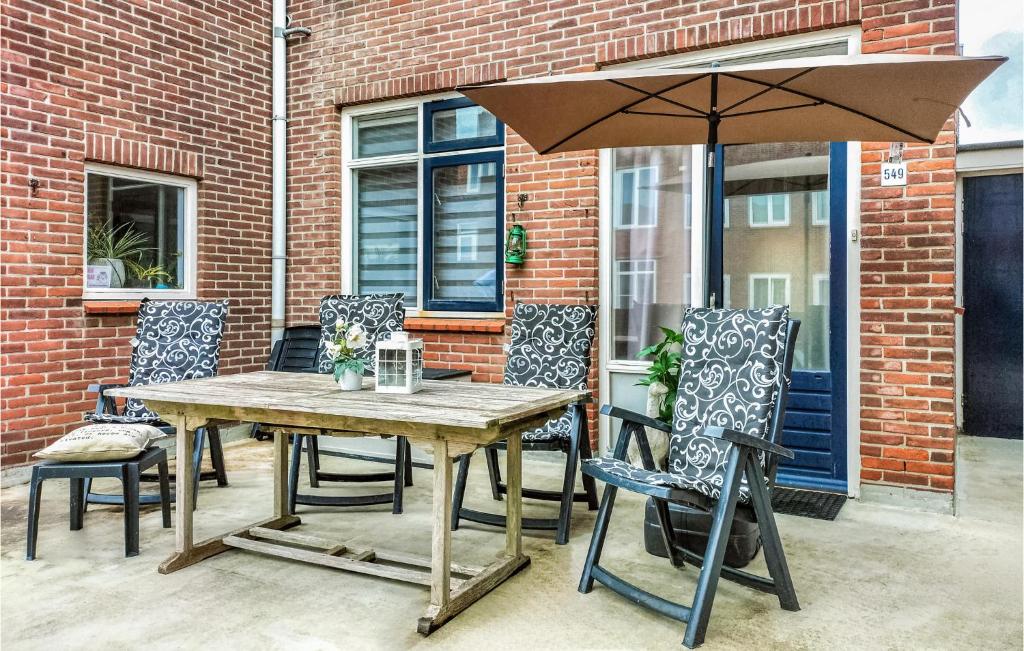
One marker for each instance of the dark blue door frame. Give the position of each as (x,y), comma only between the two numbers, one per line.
(815,424)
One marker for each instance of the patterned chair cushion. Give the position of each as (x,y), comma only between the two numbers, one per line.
(730,376)
(557,430)
(550,347)
(377,313)
(695,483)
(175,340)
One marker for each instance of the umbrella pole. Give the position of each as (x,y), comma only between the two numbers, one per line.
(709,191)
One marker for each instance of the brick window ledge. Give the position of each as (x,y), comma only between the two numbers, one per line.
(434,324)
(103,308)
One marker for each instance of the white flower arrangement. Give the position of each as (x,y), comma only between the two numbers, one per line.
(348,338)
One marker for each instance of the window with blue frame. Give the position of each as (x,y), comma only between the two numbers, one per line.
(427,204)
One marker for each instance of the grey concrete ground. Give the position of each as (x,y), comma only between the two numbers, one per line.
(876,578)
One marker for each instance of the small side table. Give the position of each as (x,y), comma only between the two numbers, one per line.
(127,470)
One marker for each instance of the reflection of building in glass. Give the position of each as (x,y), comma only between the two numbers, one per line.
(775,240)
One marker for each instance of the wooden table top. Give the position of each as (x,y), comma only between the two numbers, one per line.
(472,412)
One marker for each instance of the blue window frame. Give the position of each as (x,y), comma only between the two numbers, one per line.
(427,204)
(459,124)
(463,224)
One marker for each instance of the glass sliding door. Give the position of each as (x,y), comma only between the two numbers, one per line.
(776,246)
(648,267)
(778,237)
(650,245)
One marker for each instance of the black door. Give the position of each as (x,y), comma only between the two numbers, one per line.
(993,322)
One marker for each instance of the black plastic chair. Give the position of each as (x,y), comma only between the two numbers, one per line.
(174,340)
(379,314)
(127,470)
(295,352)
(729,412)
(550,347)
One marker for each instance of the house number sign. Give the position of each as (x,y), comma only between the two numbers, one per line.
(894,174)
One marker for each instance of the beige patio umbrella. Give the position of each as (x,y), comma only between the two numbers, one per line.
(880,97)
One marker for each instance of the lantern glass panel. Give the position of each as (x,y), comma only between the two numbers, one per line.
(417,367)
(391,368)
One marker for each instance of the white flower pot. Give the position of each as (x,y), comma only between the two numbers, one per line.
(350,381)
(117,270)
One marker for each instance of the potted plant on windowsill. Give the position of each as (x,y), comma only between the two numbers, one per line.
(148,276)
(115,248)
(662,384)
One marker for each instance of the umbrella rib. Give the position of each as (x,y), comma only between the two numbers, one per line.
(765,90)
(848,109)
(699,113)
(665,115)
(617,111)
(772,110)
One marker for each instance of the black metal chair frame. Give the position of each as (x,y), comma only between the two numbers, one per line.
(127,470)
(291,354)
(401,477)
(107,405)
(577,450)
(742,461)
(536,359)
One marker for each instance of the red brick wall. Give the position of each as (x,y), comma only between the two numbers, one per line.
(908,431)
(171,86)
(370,51)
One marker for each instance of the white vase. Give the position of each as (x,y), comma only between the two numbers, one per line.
(350,380)
(658,440)
(117,270)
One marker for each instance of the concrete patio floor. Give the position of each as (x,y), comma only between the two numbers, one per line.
(876,578)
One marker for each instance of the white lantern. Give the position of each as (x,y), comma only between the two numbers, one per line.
(399,364)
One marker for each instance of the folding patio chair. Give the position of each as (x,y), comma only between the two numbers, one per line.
(550,347)
(379,314)
(174,340)
(733,385)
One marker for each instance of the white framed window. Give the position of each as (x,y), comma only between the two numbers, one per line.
(636,194)
(768,210)
(820,289)
(768,289)
(725,212)
(819,208)
(635,283)
(423,182)
(140,234)
(726,291)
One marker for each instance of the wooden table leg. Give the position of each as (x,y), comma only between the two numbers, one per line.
(514,498)
(183,496)
(445,603)
(187,552)
(441,552)
(280,473)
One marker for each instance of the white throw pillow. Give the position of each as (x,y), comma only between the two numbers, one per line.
(101,442)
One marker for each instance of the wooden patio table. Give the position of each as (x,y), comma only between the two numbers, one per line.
(449,418)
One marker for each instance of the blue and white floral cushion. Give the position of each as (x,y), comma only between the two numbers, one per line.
(550,347)
(175,340)
(730,376)
(378,314)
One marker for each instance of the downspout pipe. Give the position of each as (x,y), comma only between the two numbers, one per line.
(279,165)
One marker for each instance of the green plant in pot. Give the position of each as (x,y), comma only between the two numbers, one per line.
(149,275)
(663,373)
(662,382)
(115,247)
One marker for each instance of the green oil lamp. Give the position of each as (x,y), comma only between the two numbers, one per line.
(515,245)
